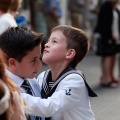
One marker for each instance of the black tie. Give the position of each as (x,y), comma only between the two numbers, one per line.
(27,88)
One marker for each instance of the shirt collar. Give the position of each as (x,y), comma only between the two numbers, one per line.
(18,80)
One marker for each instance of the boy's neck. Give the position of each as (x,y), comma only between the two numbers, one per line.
(11,70)
(56,70)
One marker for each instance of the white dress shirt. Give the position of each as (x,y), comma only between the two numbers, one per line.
(15,78)
(16,96)
(18,80)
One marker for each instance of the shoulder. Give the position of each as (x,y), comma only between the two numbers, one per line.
(73,79)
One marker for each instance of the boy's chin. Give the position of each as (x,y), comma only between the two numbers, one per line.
(44,61)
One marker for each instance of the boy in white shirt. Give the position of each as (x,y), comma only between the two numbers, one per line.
(22,50)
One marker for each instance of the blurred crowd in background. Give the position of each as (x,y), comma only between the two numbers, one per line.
(63,11)
(78,13)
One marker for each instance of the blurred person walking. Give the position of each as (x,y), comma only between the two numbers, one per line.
(76,8)
(117,32)
(39,17)
(92,18)
(53,12)
(106,42)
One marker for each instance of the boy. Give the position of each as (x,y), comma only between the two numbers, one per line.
(22,49)
(63,89)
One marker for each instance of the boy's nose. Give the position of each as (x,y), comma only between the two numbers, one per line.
(46,45)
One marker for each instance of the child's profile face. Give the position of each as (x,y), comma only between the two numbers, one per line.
(30,64)
(56,48)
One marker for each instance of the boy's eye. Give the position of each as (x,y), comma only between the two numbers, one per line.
(54,41)
(33,60)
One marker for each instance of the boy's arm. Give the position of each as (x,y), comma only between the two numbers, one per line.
(69,93)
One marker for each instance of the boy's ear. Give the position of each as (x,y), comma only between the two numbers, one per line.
(70,54)
(12,62)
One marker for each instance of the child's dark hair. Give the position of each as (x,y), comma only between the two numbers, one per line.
(77,40)
(16,42)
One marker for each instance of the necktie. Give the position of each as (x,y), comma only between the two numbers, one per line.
(27,88)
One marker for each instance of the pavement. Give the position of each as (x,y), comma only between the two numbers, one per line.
(107,105)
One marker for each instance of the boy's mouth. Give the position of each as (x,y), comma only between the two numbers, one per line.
(45,51)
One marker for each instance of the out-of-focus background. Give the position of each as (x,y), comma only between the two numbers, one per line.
(34,11)
(29,7)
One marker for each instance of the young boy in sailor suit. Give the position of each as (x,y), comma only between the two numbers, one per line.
(64,91)
(22,49)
